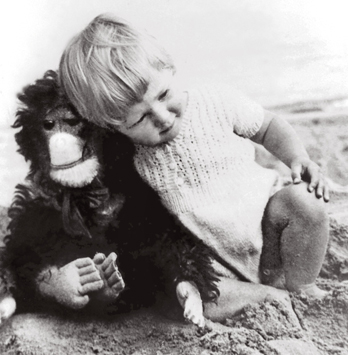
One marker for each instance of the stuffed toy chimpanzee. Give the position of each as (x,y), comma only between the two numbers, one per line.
(83,206)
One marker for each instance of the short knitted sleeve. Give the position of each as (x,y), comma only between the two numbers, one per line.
(245,115)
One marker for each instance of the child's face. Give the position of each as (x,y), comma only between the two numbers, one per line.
(157,118)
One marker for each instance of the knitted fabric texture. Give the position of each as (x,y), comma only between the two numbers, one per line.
(207,176)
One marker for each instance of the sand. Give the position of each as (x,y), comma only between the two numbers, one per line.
(266,328)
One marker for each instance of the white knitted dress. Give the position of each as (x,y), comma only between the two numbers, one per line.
(207,176)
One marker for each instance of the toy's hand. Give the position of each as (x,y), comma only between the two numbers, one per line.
(70,284)
(113,281)
(311,173)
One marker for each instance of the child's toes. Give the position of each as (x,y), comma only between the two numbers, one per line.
(195,317)
(193,311)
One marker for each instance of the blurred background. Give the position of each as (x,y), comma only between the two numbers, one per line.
(278,52)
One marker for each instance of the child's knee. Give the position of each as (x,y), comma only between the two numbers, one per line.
(295,201)
(306,205)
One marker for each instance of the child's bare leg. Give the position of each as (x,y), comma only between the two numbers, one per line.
(70,284)
(113,281)
(296,233)
(190,300)
(235,295)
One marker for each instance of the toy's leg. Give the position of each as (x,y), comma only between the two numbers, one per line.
(190,300)
(296,233)
(235,295)
(113,281)
(7,307)
(70,284)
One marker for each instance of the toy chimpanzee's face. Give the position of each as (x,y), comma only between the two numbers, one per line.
(60,145)
(73,158)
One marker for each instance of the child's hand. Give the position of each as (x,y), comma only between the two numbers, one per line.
(310,172)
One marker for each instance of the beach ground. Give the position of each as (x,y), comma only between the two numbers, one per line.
(262,329)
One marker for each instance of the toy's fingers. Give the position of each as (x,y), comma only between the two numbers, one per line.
(91,287)
(83,262)
(110,260)
(89,278)
(116,282)
(79,302)
(99,258)
(110,270)
(90,269)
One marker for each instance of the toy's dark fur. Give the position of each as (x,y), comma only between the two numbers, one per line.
(51,224)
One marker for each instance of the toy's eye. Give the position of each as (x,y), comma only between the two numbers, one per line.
(48,125)
(72,121)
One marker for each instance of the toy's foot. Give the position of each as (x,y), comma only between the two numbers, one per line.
(7,307)
(70,284)
(190,300)
(113,281)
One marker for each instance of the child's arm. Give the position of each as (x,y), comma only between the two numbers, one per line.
(278,137)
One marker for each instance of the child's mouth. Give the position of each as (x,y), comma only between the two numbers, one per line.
(168,129)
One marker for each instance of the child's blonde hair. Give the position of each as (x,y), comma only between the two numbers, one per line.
(106,68)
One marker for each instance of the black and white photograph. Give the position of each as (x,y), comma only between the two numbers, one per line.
(174,177)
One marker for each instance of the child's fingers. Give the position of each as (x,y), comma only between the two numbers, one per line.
(326,193)
(296,170)
(319,192)
(323,189)
(314,175)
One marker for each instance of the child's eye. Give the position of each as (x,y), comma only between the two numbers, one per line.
(136,123)
(163,96)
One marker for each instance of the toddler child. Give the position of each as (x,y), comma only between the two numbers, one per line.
(193,147)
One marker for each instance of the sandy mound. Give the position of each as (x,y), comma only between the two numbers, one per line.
(263,329)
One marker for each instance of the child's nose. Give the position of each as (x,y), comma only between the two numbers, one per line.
(162,117)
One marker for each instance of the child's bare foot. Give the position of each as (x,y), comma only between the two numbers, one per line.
(190,300)
(7,307)
(311,290)
(113,281)
(70,284)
